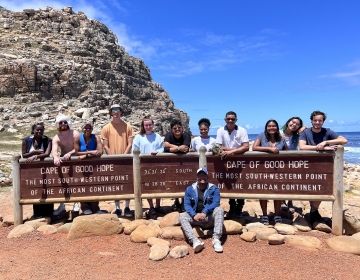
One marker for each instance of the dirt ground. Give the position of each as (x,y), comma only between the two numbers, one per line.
(38,256)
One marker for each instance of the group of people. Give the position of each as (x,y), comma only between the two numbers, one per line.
(201,203)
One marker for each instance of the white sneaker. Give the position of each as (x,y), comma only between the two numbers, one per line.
(198,245)
(217,245)
(76,207)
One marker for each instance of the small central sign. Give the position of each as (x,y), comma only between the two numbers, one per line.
(168,174)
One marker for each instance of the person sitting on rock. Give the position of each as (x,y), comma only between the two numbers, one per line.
(88,145)
(202,208)
(37,146)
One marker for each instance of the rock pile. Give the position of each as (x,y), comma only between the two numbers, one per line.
(55,61)
(158,234)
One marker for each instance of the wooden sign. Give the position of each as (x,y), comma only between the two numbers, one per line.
(168,174)
(273,174)
(76,178)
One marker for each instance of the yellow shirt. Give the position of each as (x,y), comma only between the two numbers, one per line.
(118,136)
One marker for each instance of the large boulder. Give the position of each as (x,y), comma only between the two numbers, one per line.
(263,233)
(172,233)
(351,223)
(285,229)
(179,251)
(154,240)
(97,224)
(47,229)
(171,219)
(304,242)
(346,244)
(129,227)
(248,236)
(232,227)
(38,222)
(143,232)
(20,230)
(276,239)
(158,252)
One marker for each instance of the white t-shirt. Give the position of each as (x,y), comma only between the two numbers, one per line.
(233,140)
(198,142)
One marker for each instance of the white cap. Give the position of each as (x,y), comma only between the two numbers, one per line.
(60,118)
(203,170)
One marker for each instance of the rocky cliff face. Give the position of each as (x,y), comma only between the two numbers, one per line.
(55,61)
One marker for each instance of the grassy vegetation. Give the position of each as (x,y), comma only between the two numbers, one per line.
(11,142)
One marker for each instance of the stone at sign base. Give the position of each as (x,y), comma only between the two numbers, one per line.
(95,225)
(346,244)
(158,252)
(179,251)
(20,230)
(276,239)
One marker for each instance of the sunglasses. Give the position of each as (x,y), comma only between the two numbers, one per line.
(63,122)
(177,128)
(88,128)
(231,119)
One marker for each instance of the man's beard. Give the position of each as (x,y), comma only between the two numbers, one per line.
(62,128)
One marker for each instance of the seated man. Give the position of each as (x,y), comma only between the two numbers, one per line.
(202,208)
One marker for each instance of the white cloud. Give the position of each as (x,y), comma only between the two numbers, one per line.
(350,76)
(189,53)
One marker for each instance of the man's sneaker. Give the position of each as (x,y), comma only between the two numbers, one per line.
(127,212)
(59,213)
(87,212)
(118,212)
(59,210)
(314,216)
(74,214)
(217,245)
(151,214)
(76,207)
(160,210)
(198,245)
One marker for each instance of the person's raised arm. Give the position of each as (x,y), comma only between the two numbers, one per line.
(99,146)
(77,146)
(232,151)
(55,151)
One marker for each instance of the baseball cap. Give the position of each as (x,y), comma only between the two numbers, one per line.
(61,118)
(115,108)
(202,170)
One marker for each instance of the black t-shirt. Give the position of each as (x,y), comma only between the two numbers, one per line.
(185,139)
(200,204)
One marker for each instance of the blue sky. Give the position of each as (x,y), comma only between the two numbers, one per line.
(262,59)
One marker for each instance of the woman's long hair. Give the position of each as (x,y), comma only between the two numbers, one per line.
(277,133)
(289,120)
(142,127)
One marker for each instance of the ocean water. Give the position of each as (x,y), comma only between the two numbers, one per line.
(352,148)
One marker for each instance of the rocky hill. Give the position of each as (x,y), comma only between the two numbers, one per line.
(55,61)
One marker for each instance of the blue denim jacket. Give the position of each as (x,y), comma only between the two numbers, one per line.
(211,199)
